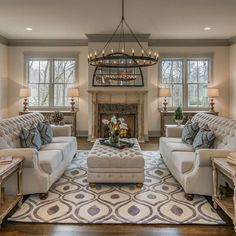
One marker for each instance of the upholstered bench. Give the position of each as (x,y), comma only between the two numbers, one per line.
(111,165)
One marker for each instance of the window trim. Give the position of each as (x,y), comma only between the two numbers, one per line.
(185,58)
(51,57)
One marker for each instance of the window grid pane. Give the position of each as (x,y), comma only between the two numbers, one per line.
(172,77)
(40,81)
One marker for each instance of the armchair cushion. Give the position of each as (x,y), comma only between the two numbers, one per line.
(45,131)
(30,138)
(189,132)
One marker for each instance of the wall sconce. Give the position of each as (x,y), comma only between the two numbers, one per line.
(212,93)
(25,93)
(72,93)
(165,92)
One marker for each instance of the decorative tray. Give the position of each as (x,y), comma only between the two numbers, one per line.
(122,144)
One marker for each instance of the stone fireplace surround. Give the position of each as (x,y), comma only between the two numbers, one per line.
(136,97)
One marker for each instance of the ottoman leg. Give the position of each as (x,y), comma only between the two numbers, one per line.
(139,185)
(92,185)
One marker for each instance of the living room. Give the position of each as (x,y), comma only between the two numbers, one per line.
(91,76)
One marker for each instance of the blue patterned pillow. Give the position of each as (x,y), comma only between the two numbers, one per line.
(30,138)
(204,139)
(45,131)
(189,132)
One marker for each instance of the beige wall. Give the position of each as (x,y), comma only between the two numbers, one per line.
(3,81)
(220,79)
(16,78)
(232,81)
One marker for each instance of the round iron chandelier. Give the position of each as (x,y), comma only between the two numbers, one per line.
(121,58)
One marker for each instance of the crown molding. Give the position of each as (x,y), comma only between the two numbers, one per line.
(3,40)
(187,42)
(47,42)
(96,38)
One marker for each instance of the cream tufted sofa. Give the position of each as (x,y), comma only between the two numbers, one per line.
(41,168)
(191,168)
(110,165)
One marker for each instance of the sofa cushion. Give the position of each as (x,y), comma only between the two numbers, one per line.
(3,143)
(30,138)
(67,139)
(45,131)
(50,160)
(189,132)
(63,147)
(183,161)
(204,139)
(170,140)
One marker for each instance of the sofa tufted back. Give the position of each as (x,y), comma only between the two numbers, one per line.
(224,129)
(10,128)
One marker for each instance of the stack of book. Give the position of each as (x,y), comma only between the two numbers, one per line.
(231,158)
(5,160)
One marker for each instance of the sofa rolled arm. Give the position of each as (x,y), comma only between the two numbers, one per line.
(30,155)
(203,156)
(63,130)
(174,131)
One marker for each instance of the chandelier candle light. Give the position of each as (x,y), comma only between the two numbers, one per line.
(122,57)
(25,93)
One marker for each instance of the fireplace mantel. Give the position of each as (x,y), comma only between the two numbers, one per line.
(118,96)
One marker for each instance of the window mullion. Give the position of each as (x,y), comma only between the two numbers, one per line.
(51,84)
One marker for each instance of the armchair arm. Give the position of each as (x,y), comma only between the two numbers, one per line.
(64,130)
(203,156)
(30,155)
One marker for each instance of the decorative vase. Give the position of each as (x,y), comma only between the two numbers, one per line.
(114,139)
(179,122)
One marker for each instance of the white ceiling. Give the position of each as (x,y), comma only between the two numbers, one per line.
(72,19)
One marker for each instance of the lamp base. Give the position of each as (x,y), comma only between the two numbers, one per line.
(212,105)
(26,104)
(165,103)
(72,103)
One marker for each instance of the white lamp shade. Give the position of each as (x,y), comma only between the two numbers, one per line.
(213,92)
(25,92)
(72,92)
(164,92)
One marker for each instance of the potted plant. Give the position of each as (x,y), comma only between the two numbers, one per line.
(115,126)
(179,116)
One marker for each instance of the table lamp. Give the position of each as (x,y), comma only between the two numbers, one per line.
(72,92)
(25,93)
(212,93)
(165,92)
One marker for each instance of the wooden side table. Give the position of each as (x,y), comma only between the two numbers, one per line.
(8,202)
(227,204)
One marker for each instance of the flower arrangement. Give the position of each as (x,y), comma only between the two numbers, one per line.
(115,126)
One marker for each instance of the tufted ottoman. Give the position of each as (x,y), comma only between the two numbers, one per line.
(111,165)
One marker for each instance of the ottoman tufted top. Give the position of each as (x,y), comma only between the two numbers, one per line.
(108,157)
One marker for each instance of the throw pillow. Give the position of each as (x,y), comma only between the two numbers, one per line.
(189,132)
(45,131)
(30,138)
(204,139)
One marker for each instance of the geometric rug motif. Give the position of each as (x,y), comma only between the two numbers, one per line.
(160,201)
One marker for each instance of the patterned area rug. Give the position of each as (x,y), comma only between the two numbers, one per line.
(160,201)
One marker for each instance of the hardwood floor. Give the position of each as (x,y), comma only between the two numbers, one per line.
(12,229)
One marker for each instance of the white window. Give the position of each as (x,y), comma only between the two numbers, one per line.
(49,80)
(188,80)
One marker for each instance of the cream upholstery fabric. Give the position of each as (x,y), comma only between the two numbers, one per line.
(192,169)
(40,168)
(50,160)
(110,165)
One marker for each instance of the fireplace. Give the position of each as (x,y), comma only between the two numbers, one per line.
(127,111)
